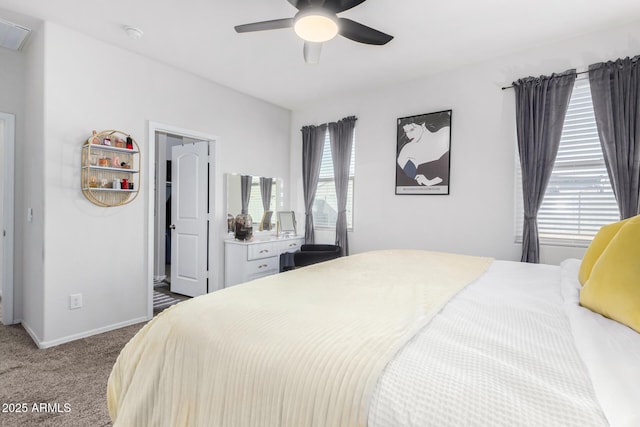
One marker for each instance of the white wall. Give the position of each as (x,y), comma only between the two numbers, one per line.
(101,252)
(29,189)
(477,217)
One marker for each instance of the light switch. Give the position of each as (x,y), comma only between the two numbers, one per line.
(29,214)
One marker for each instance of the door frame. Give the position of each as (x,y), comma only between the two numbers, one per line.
(8,206)
(150,176)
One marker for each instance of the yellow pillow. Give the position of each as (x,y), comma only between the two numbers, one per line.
(613,288)
(597,246)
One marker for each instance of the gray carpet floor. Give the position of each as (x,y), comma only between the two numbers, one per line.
(71,378)
(63,386)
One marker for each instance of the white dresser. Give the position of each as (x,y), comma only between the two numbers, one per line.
(244,261)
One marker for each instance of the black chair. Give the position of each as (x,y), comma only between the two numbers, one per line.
(310,254)
(313,254)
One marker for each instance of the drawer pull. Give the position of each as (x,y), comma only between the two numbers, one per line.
(263,266)
(264,251)
(293,245)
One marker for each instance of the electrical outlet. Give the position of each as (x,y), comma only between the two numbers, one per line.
(75,301)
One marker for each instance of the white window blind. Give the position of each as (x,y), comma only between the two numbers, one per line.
(579,199)
(325,205)
(255,201)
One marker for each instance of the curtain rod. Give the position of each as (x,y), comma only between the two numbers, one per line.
(577,74)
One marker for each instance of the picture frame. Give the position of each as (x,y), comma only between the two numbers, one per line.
(423,148)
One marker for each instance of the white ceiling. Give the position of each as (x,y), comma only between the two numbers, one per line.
(430,36)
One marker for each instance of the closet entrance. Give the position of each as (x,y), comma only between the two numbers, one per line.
(181,221)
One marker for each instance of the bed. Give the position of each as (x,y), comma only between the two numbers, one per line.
(366,340)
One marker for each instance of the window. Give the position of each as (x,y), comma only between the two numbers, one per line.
(579,198)
(325,205)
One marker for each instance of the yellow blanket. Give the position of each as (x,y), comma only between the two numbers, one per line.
(302,348)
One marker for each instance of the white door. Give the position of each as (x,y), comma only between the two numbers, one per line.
(2,227)
(7,134)
(189,205)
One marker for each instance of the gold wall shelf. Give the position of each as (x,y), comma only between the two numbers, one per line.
(110,168)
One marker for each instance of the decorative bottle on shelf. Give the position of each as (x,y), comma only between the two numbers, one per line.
(94,139)
(129,143)
(243,227)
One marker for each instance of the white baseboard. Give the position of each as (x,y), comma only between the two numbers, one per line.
(69,338)
(32,334)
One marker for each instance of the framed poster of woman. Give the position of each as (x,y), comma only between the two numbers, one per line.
(422,153)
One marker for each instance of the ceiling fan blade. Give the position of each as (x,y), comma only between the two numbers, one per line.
(311,52)
(275,24)
(361,33)
(300,4)
(338,6)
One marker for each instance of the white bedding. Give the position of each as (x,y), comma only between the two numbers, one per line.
(610,350)
(501,352)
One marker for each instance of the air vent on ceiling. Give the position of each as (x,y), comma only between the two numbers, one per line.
(12,36)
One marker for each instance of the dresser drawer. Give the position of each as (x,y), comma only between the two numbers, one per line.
(261,250)
(289,245)
(244,261)
(262,267)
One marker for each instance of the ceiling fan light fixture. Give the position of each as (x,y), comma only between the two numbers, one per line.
(315,25)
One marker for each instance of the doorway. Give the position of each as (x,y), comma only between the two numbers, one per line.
(182,168)
(7,183)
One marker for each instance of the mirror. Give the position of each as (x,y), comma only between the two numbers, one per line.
(287,222)
(260,193)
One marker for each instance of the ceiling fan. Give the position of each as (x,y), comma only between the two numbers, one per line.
(317,21)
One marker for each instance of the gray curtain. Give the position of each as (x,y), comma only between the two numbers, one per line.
(615,90)
(245,192)
(266,184)
(312,146)
(341,137)
(541,106)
